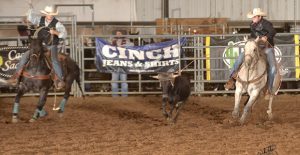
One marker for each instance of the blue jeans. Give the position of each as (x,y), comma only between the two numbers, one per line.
(55,62)
(271,68)
(116,76)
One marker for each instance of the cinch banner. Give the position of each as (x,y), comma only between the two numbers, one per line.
(9,59)
(151,58)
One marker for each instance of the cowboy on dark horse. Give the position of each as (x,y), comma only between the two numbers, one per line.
(58,31)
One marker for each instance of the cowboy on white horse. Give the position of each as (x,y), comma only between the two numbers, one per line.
(260,29)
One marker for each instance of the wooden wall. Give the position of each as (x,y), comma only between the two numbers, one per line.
(191,26)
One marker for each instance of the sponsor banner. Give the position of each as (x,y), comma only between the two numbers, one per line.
(9,59)
(151,58)
(233,46)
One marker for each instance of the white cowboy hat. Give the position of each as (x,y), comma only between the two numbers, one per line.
(49,10)
(256,12)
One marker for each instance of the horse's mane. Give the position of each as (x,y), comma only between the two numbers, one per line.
(36,44)
(260,44)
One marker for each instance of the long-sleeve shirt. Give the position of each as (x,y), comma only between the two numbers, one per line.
(35,19)
(121,42)
(263,28)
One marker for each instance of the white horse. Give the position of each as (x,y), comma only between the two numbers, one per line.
(252,79)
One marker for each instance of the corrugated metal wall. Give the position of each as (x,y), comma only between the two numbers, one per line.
(236,10)
(105,10)
(149,10)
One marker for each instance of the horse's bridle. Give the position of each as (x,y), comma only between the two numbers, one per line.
(35,35)
(253,57)
(256,58)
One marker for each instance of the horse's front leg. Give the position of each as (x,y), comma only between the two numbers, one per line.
(253,98)
(15,111)
(237,100)
(40,112)
(269,111)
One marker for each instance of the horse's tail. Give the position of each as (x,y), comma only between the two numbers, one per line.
(77,78)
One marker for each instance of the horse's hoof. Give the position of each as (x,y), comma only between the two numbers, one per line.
(60,111)
(171,121)
(165,114)
(235,115)
(270,116)
(43,114)
(15,119)
(32,120)
(242,122)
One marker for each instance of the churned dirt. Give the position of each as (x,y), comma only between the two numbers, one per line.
(135,125)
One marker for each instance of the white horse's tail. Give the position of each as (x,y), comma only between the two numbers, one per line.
(281,71)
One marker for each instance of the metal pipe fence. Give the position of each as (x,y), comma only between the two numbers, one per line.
(194,50)
(208,71)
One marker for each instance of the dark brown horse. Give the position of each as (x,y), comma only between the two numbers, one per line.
(37,75)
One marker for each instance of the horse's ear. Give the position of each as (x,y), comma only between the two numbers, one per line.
(245,38)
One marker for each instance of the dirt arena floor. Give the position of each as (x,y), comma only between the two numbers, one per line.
(135,125)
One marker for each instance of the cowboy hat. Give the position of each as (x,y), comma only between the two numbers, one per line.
(49,10)
(256,12)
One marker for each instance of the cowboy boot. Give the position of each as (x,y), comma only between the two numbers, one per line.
(59,84)
(230,83)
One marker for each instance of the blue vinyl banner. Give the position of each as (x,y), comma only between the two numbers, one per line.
(151,58)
